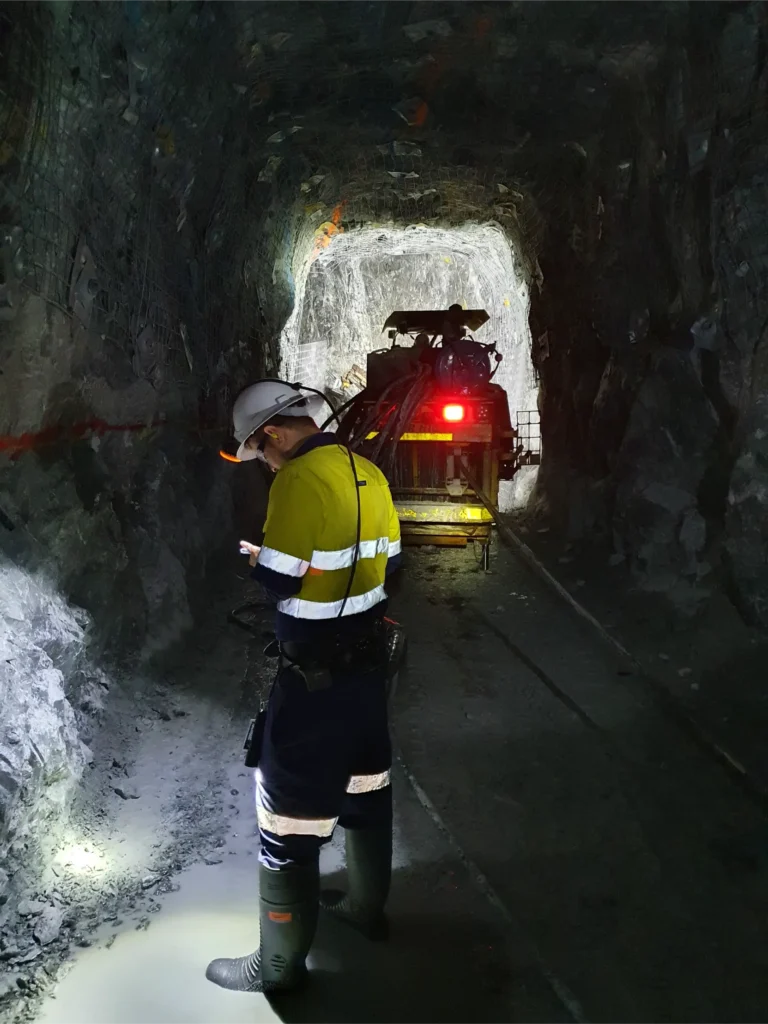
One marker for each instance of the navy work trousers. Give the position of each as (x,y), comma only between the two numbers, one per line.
(325,759)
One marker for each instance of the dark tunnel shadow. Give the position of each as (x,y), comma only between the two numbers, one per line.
(428,970)
(639,878)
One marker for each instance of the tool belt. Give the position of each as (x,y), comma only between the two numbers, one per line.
(317,662)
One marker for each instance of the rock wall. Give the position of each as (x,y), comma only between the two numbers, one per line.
(51,697)
(125,327)
(105,545)
(164,166)
(124,521)
(122,338)
(620,147)
(649,331)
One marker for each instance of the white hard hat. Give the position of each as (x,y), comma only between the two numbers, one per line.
(260,402)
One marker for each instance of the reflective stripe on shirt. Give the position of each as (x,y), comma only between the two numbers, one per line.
(301,609)
(280,562)
(345,556)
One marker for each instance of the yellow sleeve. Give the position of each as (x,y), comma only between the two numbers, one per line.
(292,524)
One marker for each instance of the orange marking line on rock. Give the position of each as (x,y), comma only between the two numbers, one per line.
(17,444)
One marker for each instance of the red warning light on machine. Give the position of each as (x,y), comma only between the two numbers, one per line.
(453,413)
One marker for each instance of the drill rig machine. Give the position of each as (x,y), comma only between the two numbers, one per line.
(434,422)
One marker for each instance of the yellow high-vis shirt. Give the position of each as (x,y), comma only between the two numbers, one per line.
(310,535)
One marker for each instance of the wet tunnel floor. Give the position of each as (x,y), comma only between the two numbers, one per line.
(625,852)
(568,852)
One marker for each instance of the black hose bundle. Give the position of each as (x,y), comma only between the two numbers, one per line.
(389,436)
(389,417)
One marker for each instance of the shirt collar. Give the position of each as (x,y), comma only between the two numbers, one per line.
(319,440)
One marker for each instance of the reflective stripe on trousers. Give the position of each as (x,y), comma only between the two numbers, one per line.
(284,824)
(322,828)
(367,783)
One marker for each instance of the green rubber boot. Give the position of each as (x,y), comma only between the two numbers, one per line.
(288,907)
(369,872)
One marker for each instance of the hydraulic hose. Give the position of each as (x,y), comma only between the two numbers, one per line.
(336,414)
(356,555)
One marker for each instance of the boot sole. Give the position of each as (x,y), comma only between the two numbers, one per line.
(268,989)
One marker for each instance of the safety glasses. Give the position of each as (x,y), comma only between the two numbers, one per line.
(260,449)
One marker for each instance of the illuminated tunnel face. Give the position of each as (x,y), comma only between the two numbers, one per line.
(347,289)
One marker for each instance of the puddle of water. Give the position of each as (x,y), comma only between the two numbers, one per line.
(159,974)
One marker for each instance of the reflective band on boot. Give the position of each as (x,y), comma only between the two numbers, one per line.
(288,918)
(369,871)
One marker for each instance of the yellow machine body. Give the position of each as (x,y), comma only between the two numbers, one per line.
(433,497)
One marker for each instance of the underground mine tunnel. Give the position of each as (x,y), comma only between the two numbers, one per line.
(197,195)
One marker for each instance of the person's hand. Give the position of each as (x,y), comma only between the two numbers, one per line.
(252,550)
